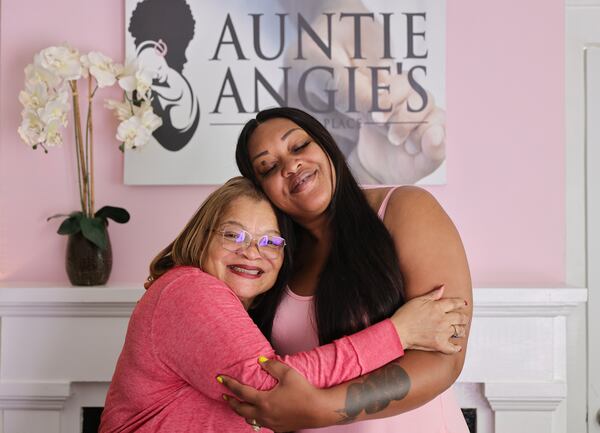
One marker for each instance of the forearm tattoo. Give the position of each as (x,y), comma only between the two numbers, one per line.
(375,392)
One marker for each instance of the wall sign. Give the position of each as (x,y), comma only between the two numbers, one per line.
(372,71)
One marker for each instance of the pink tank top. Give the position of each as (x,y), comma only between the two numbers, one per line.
(294,330)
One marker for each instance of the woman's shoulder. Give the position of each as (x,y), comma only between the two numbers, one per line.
(179,272)
(404,196)
(186,286)
(412,195)
(375,196)
(186,278)
(412,211)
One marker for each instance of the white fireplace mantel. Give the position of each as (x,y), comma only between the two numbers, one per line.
(55,338)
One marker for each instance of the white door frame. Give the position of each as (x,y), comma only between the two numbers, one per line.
(582,29)
(592,138)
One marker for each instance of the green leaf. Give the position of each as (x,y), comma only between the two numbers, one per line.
(117,214)
(77,214)
(70,226)
(94,230)
(58,215)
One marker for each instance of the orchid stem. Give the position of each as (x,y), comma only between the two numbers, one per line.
(89,141)
(81,175)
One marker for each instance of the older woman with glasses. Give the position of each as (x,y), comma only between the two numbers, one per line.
(193,323)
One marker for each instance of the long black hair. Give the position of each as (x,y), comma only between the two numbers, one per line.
(361,282)
(264,305)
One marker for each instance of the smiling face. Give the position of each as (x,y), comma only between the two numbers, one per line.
(292,169)
(246,271)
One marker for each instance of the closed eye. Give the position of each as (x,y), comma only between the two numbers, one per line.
(300,147)
(234,236)
(264,172)
(268,170)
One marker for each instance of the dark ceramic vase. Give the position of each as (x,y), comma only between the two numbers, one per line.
(87,264)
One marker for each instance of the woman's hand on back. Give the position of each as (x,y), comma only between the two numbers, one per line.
(289,406)
(429,322)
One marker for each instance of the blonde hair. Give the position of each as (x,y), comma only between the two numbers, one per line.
(190,246)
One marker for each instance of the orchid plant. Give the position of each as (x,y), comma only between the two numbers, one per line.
(51,82)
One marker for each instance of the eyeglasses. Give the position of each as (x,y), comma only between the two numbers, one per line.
(235,239)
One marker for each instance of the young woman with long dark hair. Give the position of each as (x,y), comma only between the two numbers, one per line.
(360,255)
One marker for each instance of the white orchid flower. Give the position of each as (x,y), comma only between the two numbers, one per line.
(35,73)
(136,79)
(53,133)
(150,120)
(122,109)
(101,67)
(47,94)
(126,78)
(54,111)
(144,83)
(62,61)
(132,133)
(32,129)
(35,95)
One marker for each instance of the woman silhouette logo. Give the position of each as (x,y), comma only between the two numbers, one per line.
(162,31)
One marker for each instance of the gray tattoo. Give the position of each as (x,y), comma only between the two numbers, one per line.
(375,392)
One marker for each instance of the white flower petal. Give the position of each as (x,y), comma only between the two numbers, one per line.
(128,83)
(63,61)
(122,109)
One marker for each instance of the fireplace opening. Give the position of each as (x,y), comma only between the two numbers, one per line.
(471,419)
(91,419)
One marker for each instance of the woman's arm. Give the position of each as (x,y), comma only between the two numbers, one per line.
(430,253)
(200,329)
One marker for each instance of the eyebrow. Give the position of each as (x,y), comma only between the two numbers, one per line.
(264,152)
(283,137)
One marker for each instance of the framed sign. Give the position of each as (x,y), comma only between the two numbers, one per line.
(372,71)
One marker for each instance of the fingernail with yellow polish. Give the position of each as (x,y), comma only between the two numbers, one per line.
(225,397)
(219,379)
(262,359)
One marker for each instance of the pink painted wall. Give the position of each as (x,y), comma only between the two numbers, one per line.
(505,188)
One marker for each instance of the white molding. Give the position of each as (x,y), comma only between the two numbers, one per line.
(34,395)
(20,299)
(520,397)
(501,396)
(527,302)
(67,309)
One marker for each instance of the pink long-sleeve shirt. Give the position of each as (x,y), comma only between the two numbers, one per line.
(188,328)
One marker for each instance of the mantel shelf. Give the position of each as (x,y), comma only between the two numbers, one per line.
(118,299)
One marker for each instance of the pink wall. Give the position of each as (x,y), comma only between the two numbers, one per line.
(505,106)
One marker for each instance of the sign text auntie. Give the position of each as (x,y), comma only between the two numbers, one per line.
(317,77)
